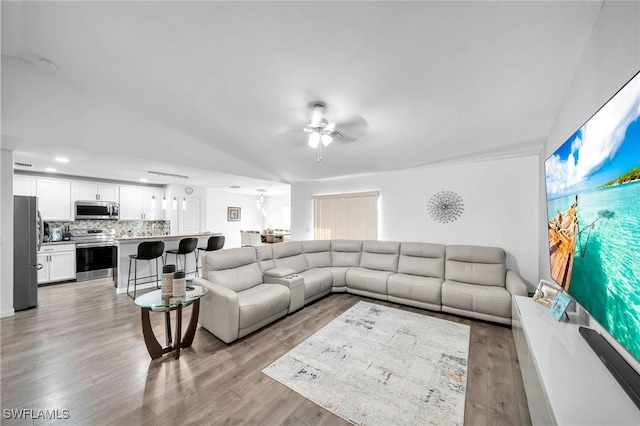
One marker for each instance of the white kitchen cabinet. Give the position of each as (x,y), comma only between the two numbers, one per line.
(54,199)
(153,203)
(54,195)
(58,263)
(43,271)
(83,191)
(141,203)
(131,203)
(24,185)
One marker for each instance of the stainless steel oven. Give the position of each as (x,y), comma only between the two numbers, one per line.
(96,253)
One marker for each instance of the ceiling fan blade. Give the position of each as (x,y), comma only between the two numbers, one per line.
(353,129)
(325,119)
(284,131)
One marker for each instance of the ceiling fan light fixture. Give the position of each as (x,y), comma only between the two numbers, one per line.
(322,132)
(314,139)
(316,114)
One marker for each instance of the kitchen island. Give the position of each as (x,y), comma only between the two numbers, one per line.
(129,245)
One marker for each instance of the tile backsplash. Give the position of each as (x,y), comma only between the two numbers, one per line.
(131,228)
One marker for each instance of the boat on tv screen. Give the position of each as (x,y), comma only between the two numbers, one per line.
(593,215)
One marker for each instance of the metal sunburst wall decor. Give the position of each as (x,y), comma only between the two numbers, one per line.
(445,206)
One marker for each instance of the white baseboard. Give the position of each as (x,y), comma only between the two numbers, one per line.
(8,313)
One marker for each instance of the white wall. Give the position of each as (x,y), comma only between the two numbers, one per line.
(500,200)
(275,205)
(178,191)
(6,233)
(216,220)
(611,58)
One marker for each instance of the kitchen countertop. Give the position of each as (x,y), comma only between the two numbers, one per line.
(165,237)
(51,243)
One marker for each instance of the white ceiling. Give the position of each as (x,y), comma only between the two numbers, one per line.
(213,89)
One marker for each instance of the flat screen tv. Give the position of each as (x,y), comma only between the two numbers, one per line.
(593,216)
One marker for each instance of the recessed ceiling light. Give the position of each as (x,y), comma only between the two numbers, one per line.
(235,186)
(261,190)
(62,160)
(50,169)
(144,180)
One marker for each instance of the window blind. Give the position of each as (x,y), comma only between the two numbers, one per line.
(352,216)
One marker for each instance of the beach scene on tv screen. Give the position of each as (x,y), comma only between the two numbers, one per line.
(593,214)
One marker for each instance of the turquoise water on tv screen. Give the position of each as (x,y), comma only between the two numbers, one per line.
(606,269)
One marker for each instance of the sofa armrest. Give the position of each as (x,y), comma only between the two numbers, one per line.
(219,310)
(278,273)
(515,285)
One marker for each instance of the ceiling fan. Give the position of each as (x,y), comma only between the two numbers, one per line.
(322,131)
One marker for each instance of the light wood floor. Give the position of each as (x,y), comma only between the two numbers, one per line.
(82,350)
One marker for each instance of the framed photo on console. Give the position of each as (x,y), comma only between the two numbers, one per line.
(233,214)
(560,305)
(546,293)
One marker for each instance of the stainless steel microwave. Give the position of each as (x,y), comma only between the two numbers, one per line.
(97,210)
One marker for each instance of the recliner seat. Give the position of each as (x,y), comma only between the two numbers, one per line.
(238,301)
(420,276)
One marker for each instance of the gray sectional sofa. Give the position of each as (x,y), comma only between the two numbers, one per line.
(252,287)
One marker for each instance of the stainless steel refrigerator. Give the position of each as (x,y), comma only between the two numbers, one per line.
(27,240)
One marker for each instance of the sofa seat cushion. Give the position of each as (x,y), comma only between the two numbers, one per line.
(265,257)
(368,280)
(346,253)
(316,281)
(423,259)
(414,287)
(485,299)
(261,302)
(289,255)
(339,275)
(476,265)
(236,268)
(317,253)
(380,255)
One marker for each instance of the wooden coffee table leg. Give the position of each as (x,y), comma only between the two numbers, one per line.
(193,324)
(177,343)
(154,348)
(167,327)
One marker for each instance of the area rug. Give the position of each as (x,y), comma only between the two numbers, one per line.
(375,365)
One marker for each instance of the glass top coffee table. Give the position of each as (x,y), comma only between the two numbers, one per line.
(153,301)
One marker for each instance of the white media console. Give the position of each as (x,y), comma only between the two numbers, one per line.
(566,383)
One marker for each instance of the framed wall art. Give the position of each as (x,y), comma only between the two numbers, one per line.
(233,214)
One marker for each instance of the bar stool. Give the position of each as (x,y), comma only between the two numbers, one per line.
(147,250)
(186,246)
(214,243)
